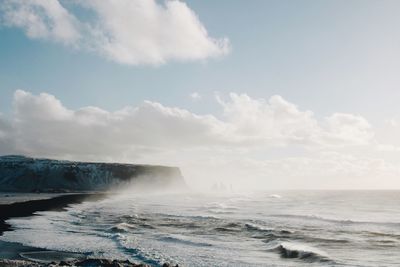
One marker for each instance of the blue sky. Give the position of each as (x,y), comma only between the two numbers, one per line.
(322,55)
(288,85)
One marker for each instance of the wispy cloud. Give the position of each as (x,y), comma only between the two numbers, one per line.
(128,32)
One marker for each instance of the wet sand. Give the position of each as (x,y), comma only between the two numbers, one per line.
(28,208)
(9,250)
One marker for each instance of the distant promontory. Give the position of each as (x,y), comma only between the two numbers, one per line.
(25,174)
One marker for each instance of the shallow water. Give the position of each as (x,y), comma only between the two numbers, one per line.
(291,228)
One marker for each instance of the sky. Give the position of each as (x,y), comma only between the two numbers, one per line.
(257,94)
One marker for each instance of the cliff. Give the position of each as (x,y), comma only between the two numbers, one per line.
(23,174)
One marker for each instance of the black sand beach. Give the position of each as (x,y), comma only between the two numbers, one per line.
(10,253)
(28,208)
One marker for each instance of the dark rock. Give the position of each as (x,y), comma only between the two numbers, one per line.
(107,263)
(23,174)
(94,263)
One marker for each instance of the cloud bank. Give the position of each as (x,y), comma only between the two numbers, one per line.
(269,142)
(127,31)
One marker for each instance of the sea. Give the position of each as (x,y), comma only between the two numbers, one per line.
(269,228)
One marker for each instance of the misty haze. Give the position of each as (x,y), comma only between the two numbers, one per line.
(199,133)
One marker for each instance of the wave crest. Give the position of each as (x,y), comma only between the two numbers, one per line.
(300,251)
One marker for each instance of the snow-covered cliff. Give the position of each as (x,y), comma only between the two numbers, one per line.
(23,174)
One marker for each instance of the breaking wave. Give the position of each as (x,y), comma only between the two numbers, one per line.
(122,228)
(300,251)
(333,220)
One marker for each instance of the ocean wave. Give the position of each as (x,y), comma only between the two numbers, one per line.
(381,234)
(130,216)
(181,240)
(180,224)
(259,232)
(219,208)
(262,229)
(254,230)
(229,227)
(333,220)
(300,251)
(138,253)
(195,217)
(48,256)
(189,233)
(275,196)
(239,199)
(126,223)
(255,227)
(122,228)
(271,234)
(220,211)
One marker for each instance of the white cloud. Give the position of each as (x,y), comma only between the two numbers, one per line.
(278,121)
(348,129)
(43,107)
(45,126)
(256,142)
(45,19)
(246,122)
(126,31)
(272,121)
(195,96)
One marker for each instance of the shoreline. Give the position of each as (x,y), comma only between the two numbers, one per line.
(28,208)
(10,252)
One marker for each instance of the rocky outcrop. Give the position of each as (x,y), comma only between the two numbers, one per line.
(24,174)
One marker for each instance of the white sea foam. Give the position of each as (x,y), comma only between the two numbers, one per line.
(275,196)
(300,251)
(156,229)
